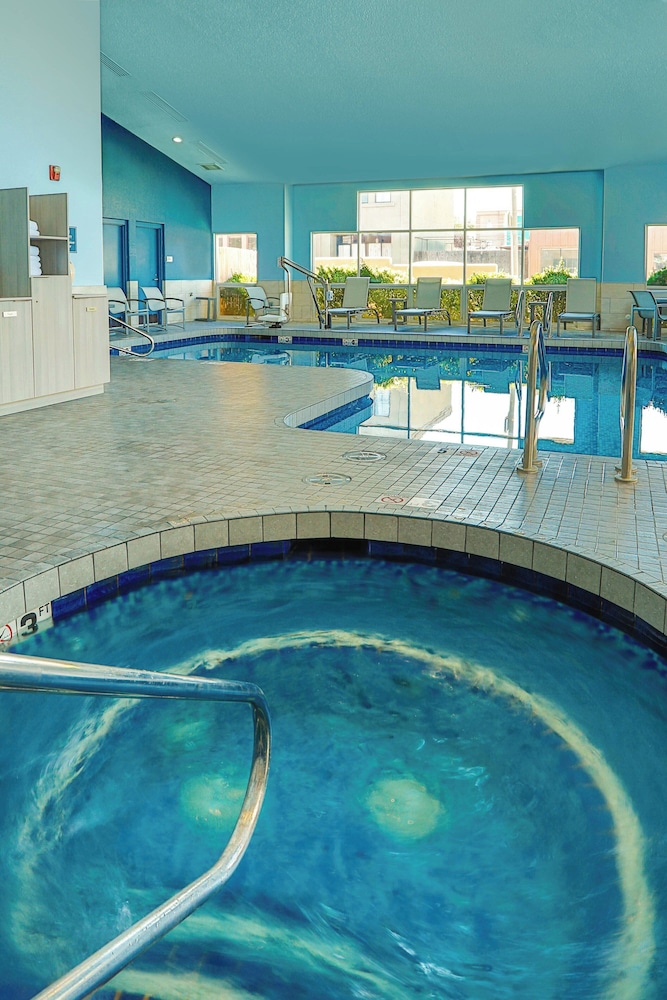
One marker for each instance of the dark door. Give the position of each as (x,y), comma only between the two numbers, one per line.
(150,254)
(116,256)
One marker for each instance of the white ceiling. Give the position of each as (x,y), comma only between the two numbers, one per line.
(308,91)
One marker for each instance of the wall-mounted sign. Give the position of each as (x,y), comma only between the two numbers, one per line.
(72,239)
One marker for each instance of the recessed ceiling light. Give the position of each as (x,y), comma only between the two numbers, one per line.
(176,138)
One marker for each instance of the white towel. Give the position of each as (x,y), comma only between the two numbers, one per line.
(34,231)
(35,272)
(34,251)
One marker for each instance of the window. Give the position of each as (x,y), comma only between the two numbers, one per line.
(451,233)
(335,250)
(236,257)
(458,234)
(656,255)
(550,250)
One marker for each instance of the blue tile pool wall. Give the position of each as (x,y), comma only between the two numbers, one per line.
(341,548)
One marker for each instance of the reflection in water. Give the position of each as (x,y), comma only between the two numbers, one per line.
(460,398)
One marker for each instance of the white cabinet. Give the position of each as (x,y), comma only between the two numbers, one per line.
(52,347)
(91,340)
(16,367)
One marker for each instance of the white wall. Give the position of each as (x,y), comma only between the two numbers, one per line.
(50,86)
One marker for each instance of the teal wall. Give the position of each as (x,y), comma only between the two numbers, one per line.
(255,208)
(634,197)
(143,185)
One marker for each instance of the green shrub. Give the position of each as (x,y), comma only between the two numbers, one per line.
(658,277)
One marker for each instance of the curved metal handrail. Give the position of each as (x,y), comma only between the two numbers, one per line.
(59,676)
(310,276)
(626,473)
(547,319)
(519,311)
(132,329)
(538,380)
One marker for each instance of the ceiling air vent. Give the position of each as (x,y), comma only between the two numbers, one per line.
(211,153)
(112,65)
(163,105)
(211,166)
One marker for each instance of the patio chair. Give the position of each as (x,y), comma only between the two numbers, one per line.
(121,308)
(355,301)
(650,310)
(160,305)
(496,303)
(580,304)
(427,302)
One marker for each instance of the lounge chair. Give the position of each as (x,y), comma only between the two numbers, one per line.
(355,301)
(650,310)
(158,304)
(125,310)
(496,303)
(427,302)
(580,304)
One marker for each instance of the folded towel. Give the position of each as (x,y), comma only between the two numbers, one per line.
(34,230)
(34,251)
(35,268)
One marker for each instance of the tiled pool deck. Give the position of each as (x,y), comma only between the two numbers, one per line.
(194,462)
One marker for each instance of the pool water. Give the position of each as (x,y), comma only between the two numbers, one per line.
(465,798)
(478,396)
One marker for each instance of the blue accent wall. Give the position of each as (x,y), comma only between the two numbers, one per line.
(254,208)
(140,184)
(634,197)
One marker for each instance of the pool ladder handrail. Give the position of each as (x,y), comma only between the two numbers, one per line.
(311,277)
(626,472)
(131,329)
(28,673)
(538,380)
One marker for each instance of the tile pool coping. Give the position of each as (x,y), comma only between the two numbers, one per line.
(608,587)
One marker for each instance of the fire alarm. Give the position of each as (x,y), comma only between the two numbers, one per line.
(54,172)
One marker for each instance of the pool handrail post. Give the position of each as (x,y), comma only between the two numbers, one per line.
(625,471)
(29,673)
(538,369)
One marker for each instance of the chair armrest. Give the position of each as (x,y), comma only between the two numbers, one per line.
(171,298)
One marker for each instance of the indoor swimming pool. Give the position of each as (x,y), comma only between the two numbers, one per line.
(461,804)
(477,396)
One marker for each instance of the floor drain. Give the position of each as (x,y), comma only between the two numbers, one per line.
(325,479)
(364,456)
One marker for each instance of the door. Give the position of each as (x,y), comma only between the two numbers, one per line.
(150,255)
(116,255)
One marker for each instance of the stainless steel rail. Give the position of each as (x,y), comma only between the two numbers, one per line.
(538,380)
(626,473)
(132,329)
(59,676)
(311,277)
(519,311)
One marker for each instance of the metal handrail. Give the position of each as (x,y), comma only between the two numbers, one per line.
(538,380)
(519,311)
(132,329)
(311,276)
(547,319)
(29,673)
(626,473)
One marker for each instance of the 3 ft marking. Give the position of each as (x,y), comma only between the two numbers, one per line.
(26,625)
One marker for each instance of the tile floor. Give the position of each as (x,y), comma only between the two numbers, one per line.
(177,457)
